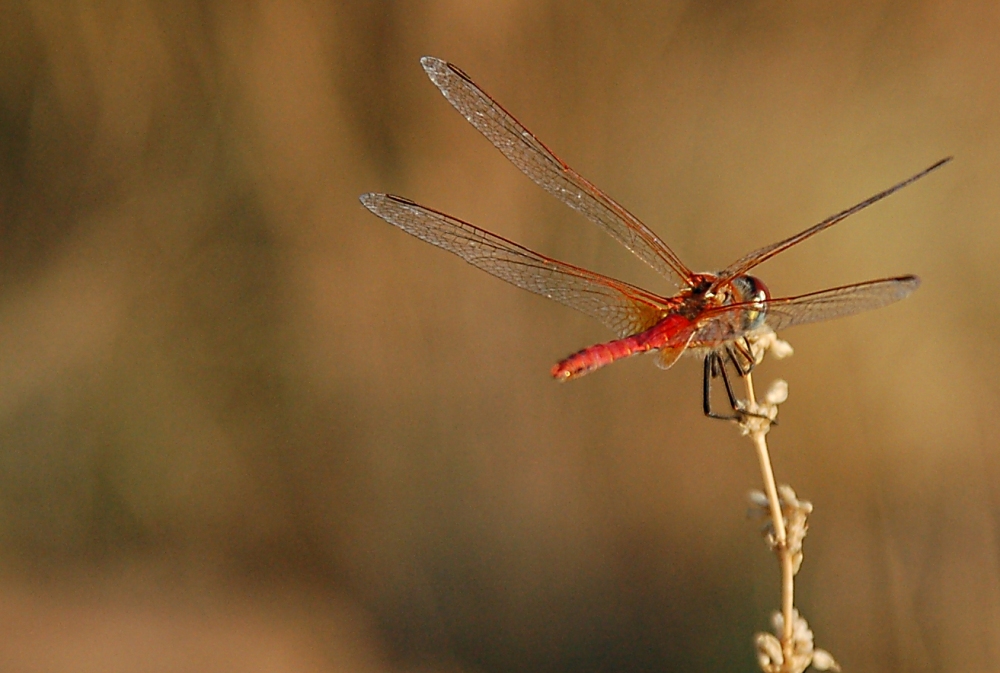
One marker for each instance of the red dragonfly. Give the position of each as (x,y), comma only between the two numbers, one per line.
(710,314)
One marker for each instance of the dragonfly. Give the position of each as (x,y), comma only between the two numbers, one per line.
(712,314)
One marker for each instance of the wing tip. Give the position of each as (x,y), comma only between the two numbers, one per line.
(909,283)
(433,66)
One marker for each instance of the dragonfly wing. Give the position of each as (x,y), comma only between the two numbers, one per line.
(747,262)
(668,355)
(726,323)
(623,308)
(538,162)
(837,302)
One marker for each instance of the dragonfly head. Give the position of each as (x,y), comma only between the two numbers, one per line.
(750,290)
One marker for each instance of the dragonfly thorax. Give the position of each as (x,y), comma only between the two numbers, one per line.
(701,293)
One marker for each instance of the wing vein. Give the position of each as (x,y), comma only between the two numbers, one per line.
(625,309)
(548,171)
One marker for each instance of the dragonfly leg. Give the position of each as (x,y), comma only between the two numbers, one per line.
(741,349)
(715,366)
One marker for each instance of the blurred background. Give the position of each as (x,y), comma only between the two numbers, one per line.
(245,425)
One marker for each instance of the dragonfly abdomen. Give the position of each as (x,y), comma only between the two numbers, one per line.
(664,333)
(595,357)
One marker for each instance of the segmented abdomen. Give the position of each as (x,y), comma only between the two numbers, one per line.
(664,333)
(595,357)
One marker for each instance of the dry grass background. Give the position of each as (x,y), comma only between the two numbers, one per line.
(245,425)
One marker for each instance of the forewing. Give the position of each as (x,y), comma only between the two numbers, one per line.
(747,262)
(838,302)
(623,308)
(725,323)
(528,153)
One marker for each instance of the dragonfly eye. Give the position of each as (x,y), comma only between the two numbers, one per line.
(753,291)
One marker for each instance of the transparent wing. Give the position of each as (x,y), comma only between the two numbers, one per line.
(726,323)
(623,308)
(838,302)
(536,161)
(747,262)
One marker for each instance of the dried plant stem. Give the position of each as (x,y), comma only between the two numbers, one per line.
(790,649)
(758,434)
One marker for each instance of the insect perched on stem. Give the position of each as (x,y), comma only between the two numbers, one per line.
(712,314)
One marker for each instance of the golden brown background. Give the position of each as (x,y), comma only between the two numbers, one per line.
(247,426)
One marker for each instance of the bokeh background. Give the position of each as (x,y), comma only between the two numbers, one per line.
(245,425)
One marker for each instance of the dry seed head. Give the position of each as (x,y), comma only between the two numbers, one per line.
(795,513)
(767,341)
(760,415)
(760,508)
(777,393)
(824,661)
(764,411)
(770,655)
(758,503)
